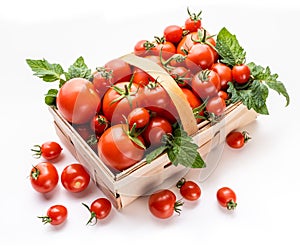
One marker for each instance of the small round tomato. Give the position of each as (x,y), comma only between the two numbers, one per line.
(224,73)
(193,23)
(99,209)
(121,70)
(163,48)
(78,101)
(140,77)
(236,139)
(162,204)
(138,116)
(181,75)
(75,178)
(173,33)
(206,83)
(48,150)
(44,177)
(189,189)
(227,198)
(119,148)
(241,73)
(216,105)
(223,94)
(143,48)
(99,124)
(56,215)
(155,130)
(102,80)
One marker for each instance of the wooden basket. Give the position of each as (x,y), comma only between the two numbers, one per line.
(142,178)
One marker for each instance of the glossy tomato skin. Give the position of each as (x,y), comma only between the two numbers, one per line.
(75,178)
(117,150)
(49,150)
(227,198)
(44,177)
(101,207)
(173,33)
(236,139)
(115,110)
(56,215)
(121,70)
(99,124)
(140,77)
(216,105)
(155,130)
(241,73)
(78,101)
(138,116)
(190,190)
(224,73)
(143,48)
(161,203)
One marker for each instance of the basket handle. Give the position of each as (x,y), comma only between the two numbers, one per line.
(167,82)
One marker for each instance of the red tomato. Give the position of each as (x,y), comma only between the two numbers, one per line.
(206,83)
(44,177)
(49,150)
(56,215)
(181,75)
(75,178)
(140,77)
(189,189)
(155,130)
(193,23)
(216,105)
(163,48)
(199,55)
(241,73)
(121,70)
(173,33)
(143,48)
(227,198)
(162,204)
(99,124)
(119,101)
(99,209)
(224,73)
(191,97)
(77,101)
(236,139)
(102,80)
(138,116)
(223,94)
(117,149)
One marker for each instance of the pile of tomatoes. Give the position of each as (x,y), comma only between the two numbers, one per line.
(123,112)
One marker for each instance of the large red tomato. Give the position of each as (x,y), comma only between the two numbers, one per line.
(77,101)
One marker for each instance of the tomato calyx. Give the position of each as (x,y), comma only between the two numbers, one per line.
(148,45)
(35,173)
(180,183)
(194,16)
(37,151)
(133,134)
(231,205)
(203,37)
(92,217)
(45,219)
(104,72)
(177,206)
(246,136)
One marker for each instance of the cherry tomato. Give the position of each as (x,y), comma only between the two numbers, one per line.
(224,73)
(193,23)
(181,75)
(48,150)
(140,77)
(99,209)
(173,33)
(119,149)
(216,105)
(236,139)
(119,101)
(102,80)
(227,198)
(121,70)
(192,98)
(162,204)
(206,83)
(223,94)
(99,124)
(163,48)
(56,215)
(241,73)
(138,116)
(143,48)
(189,189)
(78,101)
(75,178)
(155,130)
(44,177)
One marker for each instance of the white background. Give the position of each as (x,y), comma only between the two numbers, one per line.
(264,174)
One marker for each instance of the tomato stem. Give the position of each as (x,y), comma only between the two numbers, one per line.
(246,136)
(180,183)
(35,174)
(231,205)
(93,215)
(37,149)
(45,219)
(177,206)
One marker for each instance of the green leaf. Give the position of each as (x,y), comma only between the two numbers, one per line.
(229,49)
(155,153)
(184,151)
(50,97)
(271,80)
(254,96)
(79,70)
(46,71)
